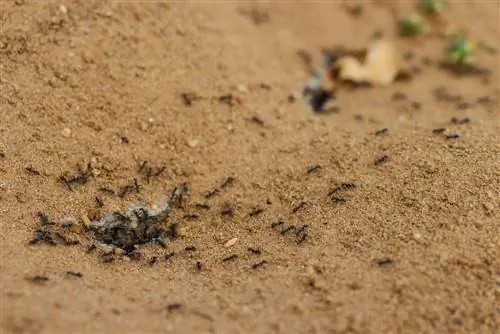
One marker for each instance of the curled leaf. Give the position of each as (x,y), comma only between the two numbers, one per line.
(381,65)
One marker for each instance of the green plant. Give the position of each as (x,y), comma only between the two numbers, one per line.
(412,26)
(461,50)
(433,6)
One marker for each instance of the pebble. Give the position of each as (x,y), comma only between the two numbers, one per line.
(68,221)
(85,221)
(231,242)
(66,132)
(106,249)
(242,88)
(193,142)
(63,9)
(118,251)
(217,222)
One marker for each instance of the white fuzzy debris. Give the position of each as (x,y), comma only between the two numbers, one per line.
(139,224)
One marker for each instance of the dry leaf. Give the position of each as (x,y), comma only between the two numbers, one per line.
(381,65)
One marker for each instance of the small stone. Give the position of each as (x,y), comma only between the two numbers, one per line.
(193,143)
(217,222)
(68,221)
(86,221)
(66,132)
(231,242)
(242,88)
(105,249)
(63,9)
(118,251)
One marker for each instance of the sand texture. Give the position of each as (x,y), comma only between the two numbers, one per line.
(366,219)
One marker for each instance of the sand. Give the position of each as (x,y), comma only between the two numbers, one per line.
(410,245)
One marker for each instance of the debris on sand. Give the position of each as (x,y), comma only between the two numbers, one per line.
(379,64)
(138,225)
(317,93)
(231,242)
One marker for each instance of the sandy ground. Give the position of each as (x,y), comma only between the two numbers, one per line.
(412,246)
